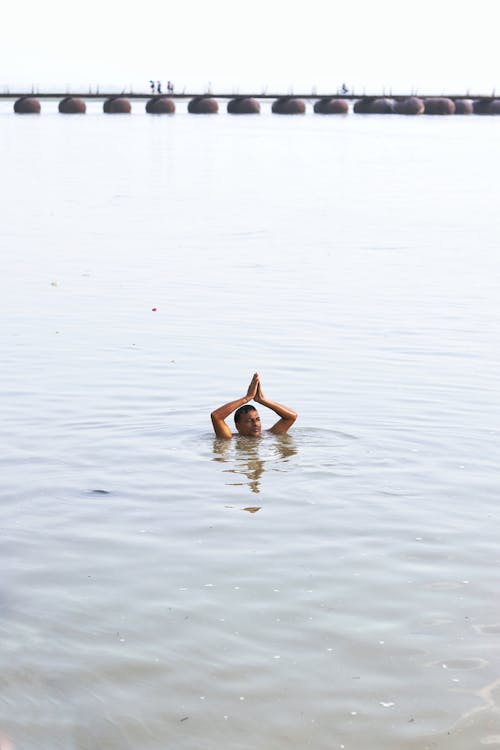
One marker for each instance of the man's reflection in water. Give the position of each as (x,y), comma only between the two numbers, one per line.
(248,457)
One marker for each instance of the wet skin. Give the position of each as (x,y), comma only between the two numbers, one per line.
(249,424)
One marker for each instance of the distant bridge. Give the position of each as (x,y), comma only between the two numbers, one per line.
(283,104)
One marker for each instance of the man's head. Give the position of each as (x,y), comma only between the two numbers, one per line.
(247,421)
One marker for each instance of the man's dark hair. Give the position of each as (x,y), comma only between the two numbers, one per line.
(243,410)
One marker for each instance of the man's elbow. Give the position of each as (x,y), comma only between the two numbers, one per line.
(217,421)
(289,420)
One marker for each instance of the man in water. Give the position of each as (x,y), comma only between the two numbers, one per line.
(247,418)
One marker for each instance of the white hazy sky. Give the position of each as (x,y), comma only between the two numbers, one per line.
(427,45)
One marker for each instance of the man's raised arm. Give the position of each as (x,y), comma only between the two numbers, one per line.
(288,416)
(219,415)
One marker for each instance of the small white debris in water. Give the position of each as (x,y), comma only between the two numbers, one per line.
(122,640)
(354,713)
(202,697)
(455,679)
(226,718)
(242,697)
(183,588)
(209,585)
(276,590)
(445,666)
(465,581)
(329,649)
(419,538)
(381,643)
(236,588)
(389,704)
(277,656)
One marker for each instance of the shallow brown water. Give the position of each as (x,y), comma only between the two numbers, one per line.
(334,588)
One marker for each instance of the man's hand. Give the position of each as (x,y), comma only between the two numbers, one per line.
(259,396)
(253,387)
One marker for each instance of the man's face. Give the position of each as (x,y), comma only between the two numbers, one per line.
(249,424)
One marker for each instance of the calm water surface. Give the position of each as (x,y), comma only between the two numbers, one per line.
(333,588)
